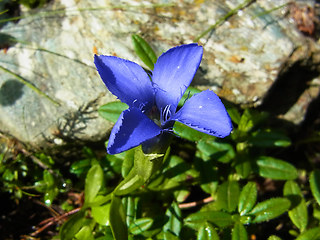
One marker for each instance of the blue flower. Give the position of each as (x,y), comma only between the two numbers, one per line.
(153,100)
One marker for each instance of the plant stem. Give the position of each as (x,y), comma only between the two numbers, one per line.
(224,18)
(30,85)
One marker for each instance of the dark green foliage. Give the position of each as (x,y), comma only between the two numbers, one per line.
(202,188)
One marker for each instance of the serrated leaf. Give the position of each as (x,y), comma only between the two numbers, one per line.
(248,198)
(220,219)
(228,196)
(310,234)
(112,110)
(174,223)
(269,209)
(222,152)
(298,212)
(144,51)
(140,225)
(70,228)
(93,183)
(276,169)
(315,184)
(117,219)
(207,232)
(239,232)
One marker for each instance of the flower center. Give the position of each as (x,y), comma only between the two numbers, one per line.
(160,117)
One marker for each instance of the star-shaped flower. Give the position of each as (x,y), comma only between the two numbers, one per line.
(153,100)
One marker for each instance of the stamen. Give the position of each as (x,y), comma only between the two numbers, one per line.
(141,106)
(166,113)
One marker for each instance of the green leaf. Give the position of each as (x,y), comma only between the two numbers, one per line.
(233,112)
(310,234)
(228,196)
(270,209)
(130,206)
(222,152)
(50,195)
(220,219)
(315,184)
(146,164)
(80,167)
(207,232)
(298,212)
(50,190)
(251,119)
(140,225)
(239,232)
(276,169)
(85,233)
(243,165)
(93,183)
(269,138)
(70,228)
(174,223)
(101,214)
(127,164)
(273,237)
(166,236)
(144,51)
(248,198)
(188,94)
(112,110)
(209,174)
(117,219)
(130,183)
(189,133)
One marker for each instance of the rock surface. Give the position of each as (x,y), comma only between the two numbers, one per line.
(244,57)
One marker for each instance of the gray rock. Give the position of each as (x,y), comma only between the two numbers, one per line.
(243,58)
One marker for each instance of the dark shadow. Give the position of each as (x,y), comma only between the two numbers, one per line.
(10,92)
(295,200)
(288,87)
(313,114)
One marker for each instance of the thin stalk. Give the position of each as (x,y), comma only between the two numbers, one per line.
(28,84)
(270,10)
(224,18)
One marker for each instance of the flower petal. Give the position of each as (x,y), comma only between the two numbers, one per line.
(125,79)
(131,129)
(205,113)
(173,73)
